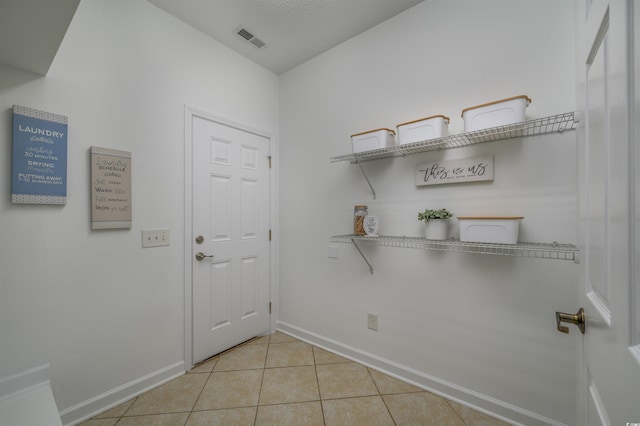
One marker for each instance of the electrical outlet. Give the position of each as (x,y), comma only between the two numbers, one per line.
(155,237)
(372,321)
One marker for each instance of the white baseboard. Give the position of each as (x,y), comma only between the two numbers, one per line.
(114,397)
(483,403)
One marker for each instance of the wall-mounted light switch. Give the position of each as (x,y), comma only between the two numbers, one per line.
(155,237)
(333,252)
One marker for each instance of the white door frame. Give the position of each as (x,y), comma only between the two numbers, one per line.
(189,113)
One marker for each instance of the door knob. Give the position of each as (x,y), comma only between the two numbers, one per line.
(200,255)
(577,319)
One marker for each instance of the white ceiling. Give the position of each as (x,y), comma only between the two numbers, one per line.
(294,30)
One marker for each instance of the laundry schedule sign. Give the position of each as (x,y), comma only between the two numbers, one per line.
(39,174)
(110,188)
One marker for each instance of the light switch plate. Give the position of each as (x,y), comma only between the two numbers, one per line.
(155,237)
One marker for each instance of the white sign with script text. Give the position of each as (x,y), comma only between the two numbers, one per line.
(455,171)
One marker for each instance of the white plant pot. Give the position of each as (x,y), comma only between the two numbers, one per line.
(436,229)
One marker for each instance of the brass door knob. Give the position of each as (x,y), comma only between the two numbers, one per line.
(578,319)
(200,256)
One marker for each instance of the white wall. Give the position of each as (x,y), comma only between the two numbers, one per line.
(95,305)
(476,327)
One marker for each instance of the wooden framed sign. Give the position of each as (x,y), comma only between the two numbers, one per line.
(39,174)
(455,171)
(110,188)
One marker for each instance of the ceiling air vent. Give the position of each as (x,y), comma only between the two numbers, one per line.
(248,36)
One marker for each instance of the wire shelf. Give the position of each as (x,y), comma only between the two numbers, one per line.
(555,123)
(554,251)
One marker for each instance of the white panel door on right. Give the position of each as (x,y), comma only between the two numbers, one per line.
(609,388)
(230,251)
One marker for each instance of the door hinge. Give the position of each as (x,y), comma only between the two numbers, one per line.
(269,308)
(269,234)
(269,157)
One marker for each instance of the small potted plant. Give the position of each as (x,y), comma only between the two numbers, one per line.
(435,223)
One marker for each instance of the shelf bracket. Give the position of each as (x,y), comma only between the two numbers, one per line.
(367,178)
(363,256)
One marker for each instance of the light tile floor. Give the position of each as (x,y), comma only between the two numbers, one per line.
(279,380)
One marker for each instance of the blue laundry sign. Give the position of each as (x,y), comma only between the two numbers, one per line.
(39,157)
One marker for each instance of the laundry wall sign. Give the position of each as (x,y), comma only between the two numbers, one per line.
(39,166)
(110,188)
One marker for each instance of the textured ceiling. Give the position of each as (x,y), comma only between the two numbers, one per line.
(294,30)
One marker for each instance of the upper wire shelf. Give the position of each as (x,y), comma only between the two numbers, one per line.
(555,251)
(555,123)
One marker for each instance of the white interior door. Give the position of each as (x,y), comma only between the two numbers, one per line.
(609,392)
(230,241)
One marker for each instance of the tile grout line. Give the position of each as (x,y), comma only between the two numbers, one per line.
(264,367)
(200,393)
(455,411)
(381,396)
(126,411)
(315,369)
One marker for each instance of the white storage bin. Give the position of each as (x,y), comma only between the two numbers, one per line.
(373,139)
(501,230)
(423,129)
(497,113)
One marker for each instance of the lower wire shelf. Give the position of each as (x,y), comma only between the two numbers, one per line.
(554,251)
